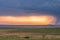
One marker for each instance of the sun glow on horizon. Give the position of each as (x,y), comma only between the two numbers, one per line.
(33,20)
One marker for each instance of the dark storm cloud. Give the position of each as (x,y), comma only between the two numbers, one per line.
(12,7)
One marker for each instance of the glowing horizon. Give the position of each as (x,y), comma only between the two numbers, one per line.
(28,20)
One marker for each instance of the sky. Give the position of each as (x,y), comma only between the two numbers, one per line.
(30,12)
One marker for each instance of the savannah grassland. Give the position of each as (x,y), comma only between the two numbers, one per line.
(29,33)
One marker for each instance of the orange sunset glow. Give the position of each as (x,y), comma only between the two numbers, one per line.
(33,20)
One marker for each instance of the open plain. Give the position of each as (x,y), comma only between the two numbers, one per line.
(29,33)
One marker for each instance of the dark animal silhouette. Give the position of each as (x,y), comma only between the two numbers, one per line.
(27,37)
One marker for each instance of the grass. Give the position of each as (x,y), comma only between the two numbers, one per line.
(41,30)
(33,30)
(17,38)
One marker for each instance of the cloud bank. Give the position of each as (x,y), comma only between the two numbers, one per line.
(30,7)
